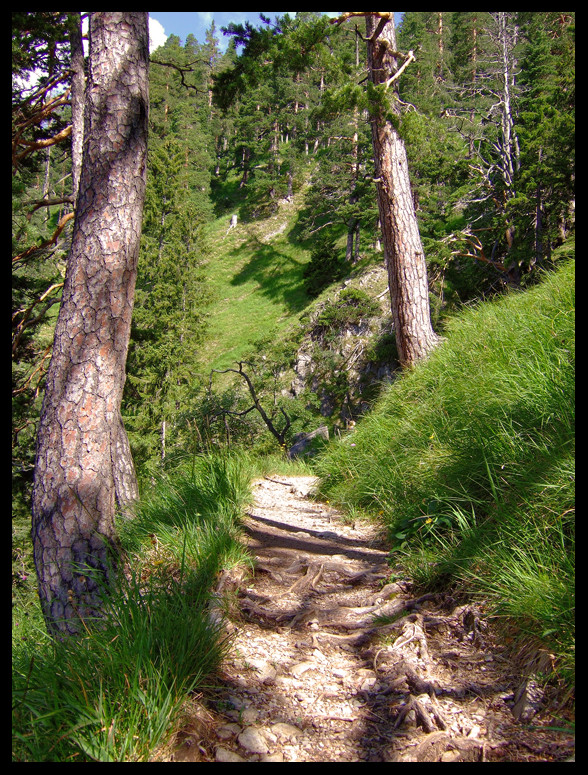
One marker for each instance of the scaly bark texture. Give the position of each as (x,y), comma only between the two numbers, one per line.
(83,463)
(403,250)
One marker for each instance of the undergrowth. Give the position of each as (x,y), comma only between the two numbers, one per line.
(114,693)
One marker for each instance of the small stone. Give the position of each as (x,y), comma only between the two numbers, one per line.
(249,715)
(450,756)
(228,730)
(273,757)
(285,731)
(252,740)
(301,667)
(226,755)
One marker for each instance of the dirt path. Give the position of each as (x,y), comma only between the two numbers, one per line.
(315,675)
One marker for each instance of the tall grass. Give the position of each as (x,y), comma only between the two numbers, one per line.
(114,693)
(470,461)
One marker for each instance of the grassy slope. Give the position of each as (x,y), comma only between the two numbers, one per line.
(115,693)
(470,461)
(254,273)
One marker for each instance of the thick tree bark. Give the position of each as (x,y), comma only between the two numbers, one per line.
(403,250)
(83,463)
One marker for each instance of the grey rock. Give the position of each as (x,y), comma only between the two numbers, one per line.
(226,755)
(253,740)
(303,441)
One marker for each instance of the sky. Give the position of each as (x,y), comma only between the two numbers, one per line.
(181,23)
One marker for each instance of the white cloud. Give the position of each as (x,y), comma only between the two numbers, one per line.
(205,17)
(157,36)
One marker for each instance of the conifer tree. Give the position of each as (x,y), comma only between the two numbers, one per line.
(169,314)
(42,214)
(404,255)
(543,206)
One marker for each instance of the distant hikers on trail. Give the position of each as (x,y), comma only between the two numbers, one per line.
(232,224)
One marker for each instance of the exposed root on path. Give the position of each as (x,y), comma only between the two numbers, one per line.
(331,660)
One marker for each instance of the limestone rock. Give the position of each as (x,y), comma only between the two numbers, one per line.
(303,441)
(226,755)
(253,740)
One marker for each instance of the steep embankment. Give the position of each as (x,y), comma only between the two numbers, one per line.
(469,460)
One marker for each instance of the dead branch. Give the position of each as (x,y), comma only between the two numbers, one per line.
(410,58)
(476,249)
(38,367)
(47,203)
(51,241)
(36,145)
(182,70)
(280,436)
(26,320)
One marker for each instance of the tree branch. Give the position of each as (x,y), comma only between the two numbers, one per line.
(26,319)
(411,58)
(280,436)
(182,70)
(47,203)
(30,251)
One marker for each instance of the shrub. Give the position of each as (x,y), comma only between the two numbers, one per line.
(349,308)
(326,265)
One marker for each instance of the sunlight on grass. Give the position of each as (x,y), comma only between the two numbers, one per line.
(256,284)
(114,693)
(470,461)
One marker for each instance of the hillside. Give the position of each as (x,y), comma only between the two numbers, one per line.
(474,446)
(324,357)
(232,207)
(254,275)
(470,462)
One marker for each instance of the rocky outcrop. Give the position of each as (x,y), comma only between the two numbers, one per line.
(345,366)
(303,446)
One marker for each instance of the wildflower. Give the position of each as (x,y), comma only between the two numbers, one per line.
(353,445)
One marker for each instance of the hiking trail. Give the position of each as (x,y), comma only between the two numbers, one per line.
(331,660)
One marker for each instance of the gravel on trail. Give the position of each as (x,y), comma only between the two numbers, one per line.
(331,659)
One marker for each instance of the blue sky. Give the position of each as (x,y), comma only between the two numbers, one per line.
(182,23)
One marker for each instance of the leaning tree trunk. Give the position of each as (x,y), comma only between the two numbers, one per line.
(403,250)
(83,465)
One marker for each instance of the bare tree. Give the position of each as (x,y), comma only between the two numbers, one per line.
(280,436)
(83,466)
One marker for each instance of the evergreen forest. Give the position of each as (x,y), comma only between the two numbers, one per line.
(262,313)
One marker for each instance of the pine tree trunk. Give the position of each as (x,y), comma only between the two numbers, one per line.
(403,251)
(83,465)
